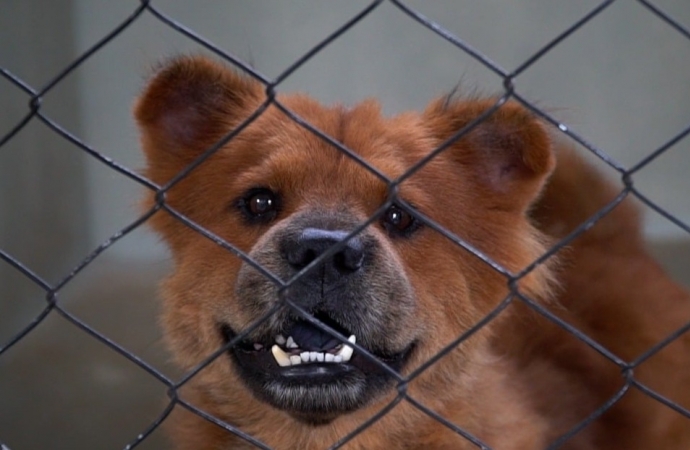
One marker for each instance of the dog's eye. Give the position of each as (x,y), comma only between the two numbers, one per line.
(398,221)
(259,204)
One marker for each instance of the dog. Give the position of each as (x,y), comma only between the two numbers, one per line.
(382,307)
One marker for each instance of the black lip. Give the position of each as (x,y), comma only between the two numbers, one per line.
(368,378)
(315,374)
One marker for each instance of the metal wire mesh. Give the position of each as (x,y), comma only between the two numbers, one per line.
(52,290)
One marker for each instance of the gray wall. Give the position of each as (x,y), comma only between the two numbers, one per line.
(43,194)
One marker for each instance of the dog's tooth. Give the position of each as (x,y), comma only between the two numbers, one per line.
(295,360)
(280,339)
(304,356)
(313,356)
(346,353)
(291,343)
(258,346)
(337,359)
(280,356)
(319,357)
(329,357)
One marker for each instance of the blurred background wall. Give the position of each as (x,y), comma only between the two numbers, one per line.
(621,82)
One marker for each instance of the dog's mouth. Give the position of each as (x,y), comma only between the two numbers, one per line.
(309,372)
(311,345)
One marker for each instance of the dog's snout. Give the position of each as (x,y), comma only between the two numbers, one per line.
(313,242)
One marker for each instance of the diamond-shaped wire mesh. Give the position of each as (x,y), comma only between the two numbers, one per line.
(37,95)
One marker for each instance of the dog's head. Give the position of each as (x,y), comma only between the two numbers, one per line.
(329,252)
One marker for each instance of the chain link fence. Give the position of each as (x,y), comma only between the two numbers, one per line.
(35,112)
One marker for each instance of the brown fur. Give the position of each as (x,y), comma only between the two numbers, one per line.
(615,292)
(519,382)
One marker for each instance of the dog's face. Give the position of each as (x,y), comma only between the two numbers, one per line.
(361,290)
(291,203)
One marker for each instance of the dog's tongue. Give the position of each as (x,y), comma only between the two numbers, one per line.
(310,338)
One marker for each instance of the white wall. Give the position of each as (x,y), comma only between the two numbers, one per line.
(621,81)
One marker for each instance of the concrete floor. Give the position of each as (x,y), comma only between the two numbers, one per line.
(62,389)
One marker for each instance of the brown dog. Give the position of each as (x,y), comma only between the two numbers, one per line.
(398,290)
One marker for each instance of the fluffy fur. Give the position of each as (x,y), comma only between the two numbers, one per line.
(519,382)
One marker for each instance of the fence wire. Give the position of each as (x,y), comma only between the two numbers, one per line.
(52,291)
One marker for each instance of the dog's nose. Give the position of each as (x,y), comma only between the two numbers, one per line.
(313,242)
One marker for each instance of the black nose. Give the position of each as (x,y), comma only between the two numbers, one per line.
(313,242)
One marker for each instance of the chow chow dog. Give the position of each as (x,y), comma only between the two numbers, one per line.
(398,306)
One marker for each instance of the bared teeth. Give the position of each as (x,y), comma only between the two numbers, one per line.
(304,356)
(280,356)
(341,354)
(346,352)
(280,339)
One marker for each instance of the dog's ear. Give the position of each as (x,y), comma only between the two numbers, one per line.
(188,105)
(507,155)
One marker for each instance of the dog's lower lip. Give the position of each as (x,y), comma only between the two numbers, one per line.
(315,373)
